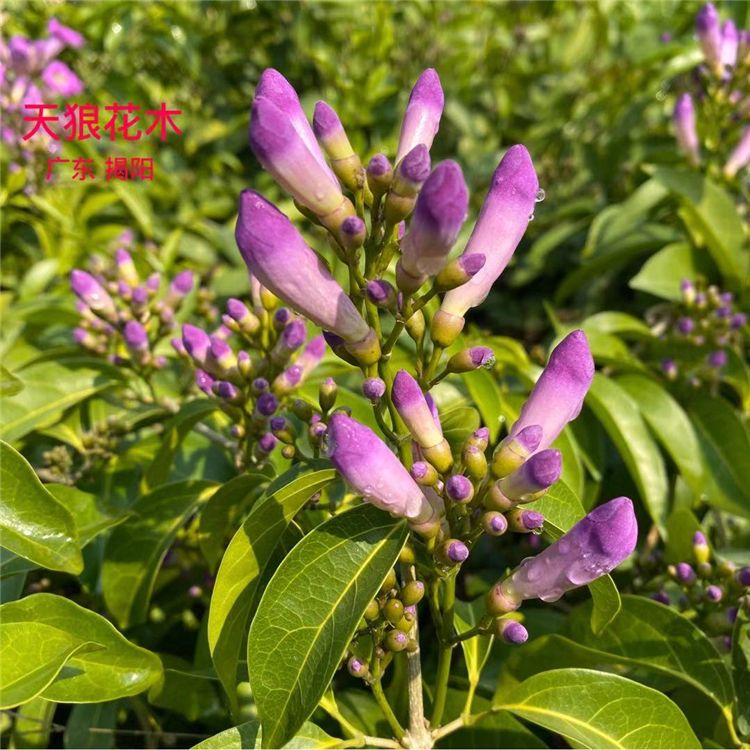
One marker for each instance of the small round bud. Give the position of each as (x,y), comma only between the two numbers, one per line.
(459,488)
(379,174)
(357,667)
(352,233)
(412,646)
(423,473)
(701,550)
(713,593)
(412,593)
(471,359)
(407,556)
(302,410)
(327,394)
(684,573)
(289,452)
(511,631)
(244,692)
(396,640)
(373,611)
(393,611)
(390,582)
(743,577)
(524,521)
(373,389)
(662,597)
(498,602)
(494,523)
(453,552)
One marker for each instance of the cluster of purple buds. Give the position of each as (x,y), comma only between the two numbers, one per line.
(258,357)
(31,73)
(723,80)
(123,315)
(706,318)
(710,592)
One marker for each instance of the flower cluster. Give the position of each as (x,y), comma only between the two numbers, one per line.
(252,365)
(123,315)
(402,278)
(709,592)
(30,72)
(701,329)
(721,91)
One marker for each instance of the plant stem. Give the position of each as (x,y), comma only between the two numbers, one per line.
(445,652)
(382,701)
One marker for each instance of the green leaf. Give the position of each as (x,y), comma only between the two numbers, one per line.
(662,273)
(176,429)
(222,513)
(309,613)
(741,670)
(91,726)
(649,634)
(247,558)
(485,393)
(33,724)
(458,423)
(681,525)
(248,735)
(712,210)
(599,710)
(562,510)
(34,525)
(48,390)
(725,443)
(91,513)
(477,649)
(135,549)
(619,416)
(32,655)
(184,690)
(615,323)
(118,669)
(670,424)
(9,383)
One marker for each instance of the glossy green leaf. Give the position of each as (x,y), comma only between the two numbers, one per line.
(619,416)
(117,669)
(713,212)
(92,514)
(599,710)
(485,393)
(9,383)
(741,670)
(32,655)
(249,734)
(247,558)
(184,690)
(309,613)
(49,389)
(91,726)
(34,525)
(660,639)
(725,442)
(681,525)
(662,273)
(223,512)
(476,649)
(176,429)
(615,323)
(135,549)
(671,425)
(33,725)
(458,423)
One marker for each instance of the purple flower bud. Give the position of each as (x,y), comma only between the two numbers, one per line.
(204,381)
(64,34)
(662,597)
(353,231)
(153,282)
(423,112)
(83,337)
(596,545)
(374,472)
(717,359)
(373,389)
(221,354)
(471,359)
(495,523)
(459,488)
(729,43)
(379,174)
(512,632)
(685,325)
(535,475)
(743,576)
(419,470)
(60,79)
(332,136)
(684,573)
(414,169)
(379,165)
(731,614)
(282,316)
(182,284)
(381,293)
(266,404)
(669,368)
(714,593)
(683,119)
(267,442)
(709,34)
(276,253)
(290,161)
(287,380)
(273,86)
(126,267)
(260,385)
(740,156)
(311,355)
(277,423)
(482,435)
(557,397)
(135,336)
(226,390)
(415,411)
(439,213)
(197,343)
(501,224)
(140,296)
(92,293)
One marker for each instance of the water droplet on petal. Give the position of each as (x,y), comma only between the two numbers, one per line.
(540,195)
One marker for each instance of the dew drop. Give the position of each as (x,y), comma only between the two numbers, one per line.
(540,195)
(531,217)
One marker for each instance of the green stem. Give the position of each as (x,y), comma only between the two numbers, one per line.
(429,373)
(385,707)
(446,649)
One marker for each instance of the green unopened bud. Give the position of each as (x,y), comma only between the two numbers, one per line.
(459,271)
(244,692)
(512,452)
(357,667)
(424,474)
(412,593)
(471,359)
(390,582)
(705,570)
(475,462)
(445,328)
(412,646)
(289,452)
(367,351)
(268,299)
(439,456)
(499,602)
(373,611)
(406,623)
(327,394)
(407,556)
(396,640)
(302,410)
(393,611)
(415,326)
